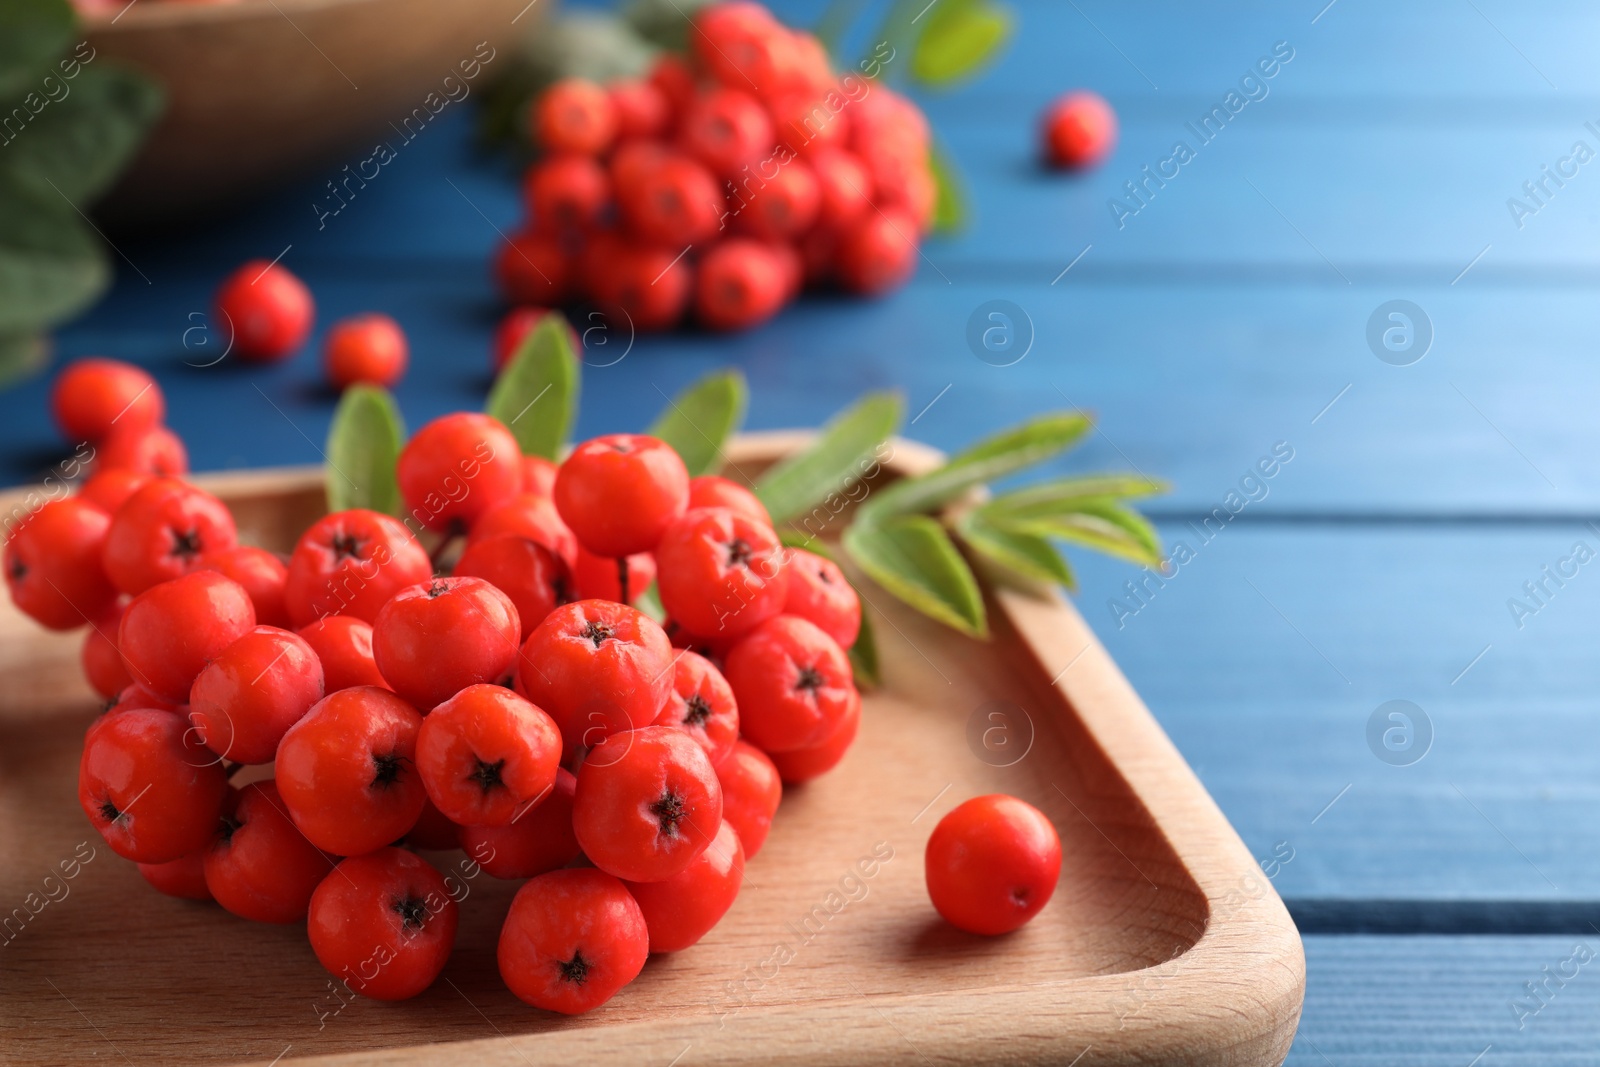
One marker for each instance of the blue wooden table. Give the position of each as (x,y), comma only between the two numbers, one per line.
(1211,319)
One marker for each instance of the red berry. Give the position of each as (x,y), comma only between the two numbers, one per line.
(347,771)
(531,268)
(171,631)
(885,121)
(539,475)
(596,667)
(741,283)
(246,699)
(148,786)
(53,566)
(456,468)
(574,115)
(102,660)
(673,203)
(137,696)
(435,639)
(992,863)
(680,910)
(751,791)
(93,396)
(513,330)
(804,764)
(433,831)
(714,491)
(649,283)
(487,756)
(111,487)
(153,450)
(721,573)
(740,44)
(1078,130)
(727,129)
(530,515)
(784,206)
(701,704)
(844,188)
(261,573)
(675,81)
(365,348)
(597,577)
(260,867)
(534,578)
(878,254)
(184,877)
(793,685)
(641,108)
(351,563)
(383,923)
(572,940)
(620,492)
(821,594)
(161,533)
(566,192)
(806,124)
(539,841)
(647,803)
(343,644)
(267,309)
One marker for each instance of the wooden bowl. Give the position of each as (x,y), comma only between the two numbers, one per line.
(262,90)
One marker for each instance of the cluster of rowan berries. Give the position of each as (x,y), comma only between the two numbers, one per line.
(728,179)
(517,707)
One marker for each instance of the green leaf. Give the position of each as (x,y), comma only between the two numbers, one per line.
(864,654)
(843,454)
(536,395)
(51,264)
(1054,497)
(21,354)
(363,444)
(1100,524)
(950,208)
(958,38)
(32,34)
(649,602)
(1017,552)
(699,420)
(78,144)
(994,457)
(913,558)
(665,23)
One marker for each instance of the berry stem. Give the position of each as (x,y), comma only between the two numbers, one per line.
(442,549)
(233,769)
(622,577)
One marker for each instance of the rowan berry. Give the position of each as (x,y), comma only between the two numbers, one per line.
(672,77)
(649,283)
(268,310)
(806,124)
(172,630)
(530,515)
(885,121)
(599,578)
(641,108)
(535,579)
(263,575)
(351,563)
(720,573)
(574,115)
(433,831)
(347,771)
(456,468)
(751,792)
(93,396)
(539,475)
(153,450)
(701,704)
(343,644)
(53,566)
(365,348)
(137,696)
(435,639)
(844,188)
(803,764)
(680,910)
(821,594)
(102,661)
(148,785)
(672,203)
(566,193)
(714,491)
(741,283)
(571,940)
(738,44)
(260,866)
(726,129)
(161,533)
(246,699)
(647,803)
(540,840)
(184,877)
(384,923)
(784,206)
(487,756)
(620,492)
(1078,130)
(992,864)
(596,667)
(110,488)
(916,195)
(532,268)
(879,253)
(792,682)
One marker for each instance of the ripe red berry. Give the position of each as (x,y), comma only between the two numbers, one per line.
(262,574)
(784,206)
(721,573)
(148,786)
(879,253)
(267,309)
(384,923)
(598,578)
(172,630)
(992,864)
(793,684)
(539,475)
(434,639)
(532,268)
(741,283)
(821,594)
(93,396)
(137,696)
(432,830)
(736,43)
(572,940)
(672,76)
(1078,130)
(53,566)
(641,108)
(566,193)
(751,791)
(726,129)
(680,910)
(259,866)
(701,704)
(596,667)
(530,515)
(532,576)
(803,764)
(844,188)
(102,660)
(574,115)
(673,202)
(487,756)
(540,840)
(153,450)
(647,803)
(108,489)
(161,533)
(343,644)
(365,348)
(184,877)
(620,492)
(347,771)
(806,124)
(246,699)
(714,491)
(456,468)
(649,283)
(351,563)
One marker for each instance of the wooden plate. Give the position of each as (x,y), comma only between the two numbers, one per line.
(1165,943)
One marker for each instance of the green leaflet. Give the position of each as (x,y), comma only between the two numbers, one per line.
(1026,555)
(77,145)
(51,264)
(32,34)
(699,420)
(1047,498)
(536,395)
(844,453)
(1100,524)
(958,37)
(364,443)
(864,653)
(913,558)
(950,209)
